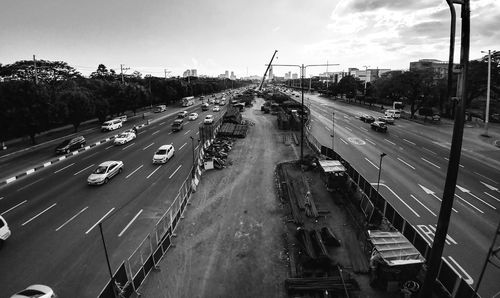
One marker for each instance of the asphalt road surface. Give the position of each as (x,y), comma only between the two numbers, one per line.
(53,214)
(413,176)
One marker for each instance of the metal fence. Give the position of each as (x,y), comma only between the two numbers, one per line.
(375,207)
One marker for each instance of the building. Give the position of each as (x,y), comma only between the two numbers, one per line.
(190,73)
(367,75)
(194,73)
(295,76)
(288,75)
(233,77)
(226,74)
(439,68)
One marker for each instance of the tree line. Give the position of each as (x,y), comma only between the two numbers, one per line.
(52,94)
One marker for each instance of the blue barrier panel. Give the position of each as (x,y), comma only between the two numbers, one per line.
(447,277)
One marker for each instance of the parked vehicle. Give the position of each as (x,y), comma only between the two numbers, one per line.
(209,119)
(4,231)
(182,115)
(205,107)
(396,114)
(35,291)
(163,154)
(160,108)
(104,172)
(70,145)
(177,125)
(193,116)
(124,137)
(386,119)
(379,126)
(111,125)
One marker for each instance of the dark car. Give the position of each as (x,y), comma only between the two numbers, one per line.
(70,145)
(367,118)
(379,126)
(177,125)
(204,107)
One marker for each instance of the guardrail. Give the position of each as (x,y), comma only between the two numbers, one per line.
(375,207)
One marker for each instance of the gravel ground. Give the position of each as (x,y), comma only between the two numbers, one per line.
(230,243)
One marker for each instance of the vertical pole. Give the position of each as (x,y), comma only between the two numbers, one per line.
(434,260)
(452,51)
(192,147)
(302,114)
(487,96)
(121,73)
(333,131)
(36,74)
(380,170)
(107,260)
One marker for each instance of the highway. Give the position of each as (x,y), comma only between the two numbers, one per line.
(53,214)
(412,180)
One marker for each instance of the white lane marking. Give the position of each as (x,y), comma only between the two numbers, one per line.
(430,232)
(161,123)
(155,132)
(370,141)
(12,208)
(141,132)
(73,217)
(468,279)
(363,128)
(102,218)
(30,171)
(371,163)
(148,146)
(130,223)
(469,203)
(109,147)
(343,141)
(89,156)
(201,122)
(127,146)
(27,185)
(390,142)
(409,142)
(175,171)
(187,132)
(182,146)
(430,211)
(489,186)
(1,198)
(430,162)
(401,160)
(133,171)
(485,177)
(430,192)
(153,172)
(401,200)
(348,128)
(449,160)
(498,200)
(169,133)
(448,240)
(462,189)
(429,150)
(83,170)
(26,222)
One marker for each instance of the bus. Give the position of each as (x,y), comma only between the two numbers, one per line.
(187,101)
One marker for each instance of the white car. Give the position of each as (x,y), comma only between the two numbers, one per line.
(209,119)
(163,154)
(216,108)
(104,172)
(124,137)
(4,231)
(193,116)
(38,291)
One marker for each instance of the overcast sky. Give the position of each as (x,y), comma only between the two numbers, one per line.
(217,35)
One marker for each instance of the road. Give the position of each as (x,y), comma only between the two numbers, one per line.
(412,180)
(53,214)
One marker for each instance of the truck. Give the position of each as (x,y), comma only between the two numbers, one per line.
(187,101)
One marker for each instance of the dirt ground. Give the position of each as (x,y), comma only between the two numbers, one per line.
(230,243)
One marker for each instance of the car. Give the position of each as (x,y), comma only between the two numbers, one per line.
(70,145)
(366,118)
(182,115)
(124,137)
(163,154)
(211,101)
(216,109)
(105,171)
(123,118)
(193,116)
(217,101)
(4,231)
(204,107)
(35,291)
(386,119)
(209,119)
(111,125)
(177,125)
(160,108)
(379,126)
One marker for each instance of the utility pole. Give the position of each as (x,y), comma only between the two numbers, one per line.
(36,74)
(366,76)
(121,72)
(327,75)
(487,114)
(434,261)
(333,131)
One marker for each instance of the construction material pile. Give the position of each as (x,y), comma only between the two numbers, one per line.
(334,284)
(233,130)
(218,151)
(315,241)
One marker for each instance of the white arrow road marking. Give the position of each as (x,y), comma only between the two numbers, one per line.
(26,222)
(430,192)
(74,216)
(423,205)
(430,232)
(469,203)
(371,163)
(473,195)
(394,194)
(468,279)
(489,186)
(430,162)
(102,218)
(130,223)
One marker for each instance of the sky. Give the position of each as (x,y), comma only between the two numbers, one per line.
(213,36)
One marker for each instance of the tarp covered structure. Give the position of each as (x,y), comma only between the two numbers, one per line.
(394,248)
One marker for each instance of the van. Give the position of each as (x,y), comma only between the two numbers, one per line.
(4,231)
(111,125)
(396,114)
(160,108)
(123,118)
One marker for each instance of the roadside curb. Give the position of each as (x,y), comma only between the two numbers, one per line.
(54,161)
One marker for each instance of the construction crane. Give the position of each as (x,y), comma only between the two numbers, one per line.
(267,69)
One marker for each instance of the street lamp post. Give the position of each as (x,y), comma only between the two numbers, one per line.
(487,114)
(192,147)
(380,170)
(107,261)
(366,76)
(333,131)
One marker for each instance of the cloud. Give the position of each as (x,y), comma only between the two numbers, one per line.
(276,29)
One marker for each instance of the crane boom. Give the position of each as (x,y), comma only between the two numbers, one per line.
(267,69)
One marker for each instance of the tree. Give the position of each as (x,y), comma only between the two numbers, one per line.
(46,71)
(349,85)
(79,106)
(102,73)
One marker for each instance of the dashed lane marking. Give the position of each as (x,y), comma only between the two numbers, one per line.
(127,146)
(47,209)
(429,150)
(134,171)
(401,160)
(83,170)
(102,218)
(63,168)
(73,217)
(409,142)
(12,208)
(170,177)
(376,167)
(430,211)
(130,223)
(28,185)
(183,146)
(153,172)
(390,142)
(148,146)
(155,132)
(430,163)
